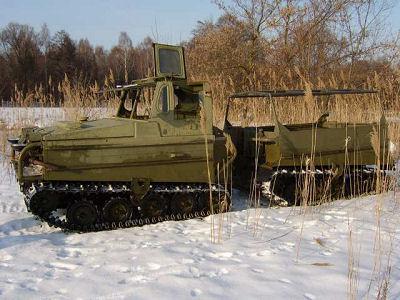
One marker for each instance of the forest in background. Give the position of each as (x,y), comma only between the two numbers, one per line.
(254,44)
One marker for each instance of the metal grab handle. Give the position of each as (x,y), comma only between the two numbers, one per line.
(177,155)
(24,152)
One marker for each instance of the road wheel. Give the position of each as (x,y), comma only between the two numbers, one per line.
(117,210)
(82,213)
(182,203)
(153,206)
(42,204)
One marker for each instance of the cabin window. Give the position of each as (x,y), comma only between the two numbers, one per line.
(170,62)
(163,103)
(128,104)
(186,102)
(142,103)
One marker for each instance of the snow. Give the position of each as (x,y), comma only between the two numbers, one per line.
(268,253)
(338,250)
(18,117)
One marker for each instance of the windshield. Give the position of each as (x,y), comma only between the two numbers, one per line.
(170,61)
(135,103)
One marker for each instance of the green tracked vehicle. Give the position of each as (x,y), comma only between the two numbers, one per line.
(160,157)
(338,159)
(144,165)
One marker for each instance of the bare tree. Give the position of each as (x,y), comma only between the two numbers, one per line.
(19,45)
(143,58)
(317,37)
(102,64)
(257,20)
(363,25)
(62,57)
(86,61)
(44,42)
(125,43)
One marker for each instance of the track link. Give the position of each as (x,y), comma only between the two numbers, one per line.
(288,184)
(40,196)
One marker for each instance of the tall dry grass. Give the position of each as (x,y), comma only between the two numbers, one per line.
(349,108)
(77,100)
(66,102)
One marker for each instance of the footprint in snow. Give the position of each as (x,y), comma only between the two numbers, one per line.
(217,273)
(4,256)
(68,252)
(29,286)
(309,296)
(76,241)
(195,292)
(6,208)
(287,246)
(282,220)
(222,271)
(307,224)
(51,274)
(257,271)
(345,218)
(326,253)
(150,245)
(123,269)
(186,261)
(62,266)
(337,212)
(269,226)
(220,255)
(95,266)
(135,279)
(285,280)
(261,253)
(153,266)
(62,291)
(30,269)
(194,271)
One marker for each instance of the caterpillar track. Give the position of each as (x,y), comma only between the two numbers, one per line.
(288,184)
(97,207)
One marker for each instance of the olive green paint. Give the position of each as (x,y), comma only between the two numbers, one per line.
(168,146)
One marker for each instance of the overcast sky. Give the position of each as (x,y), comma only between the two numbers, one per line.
(101,21)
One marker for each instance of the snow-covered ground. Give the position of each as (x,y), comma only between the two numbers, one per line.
(263,253)
(344,249)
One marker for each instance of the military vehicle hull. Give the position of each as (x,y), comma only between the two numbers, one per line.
(334,159)
(122,154)
(126,175)
(166,159)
